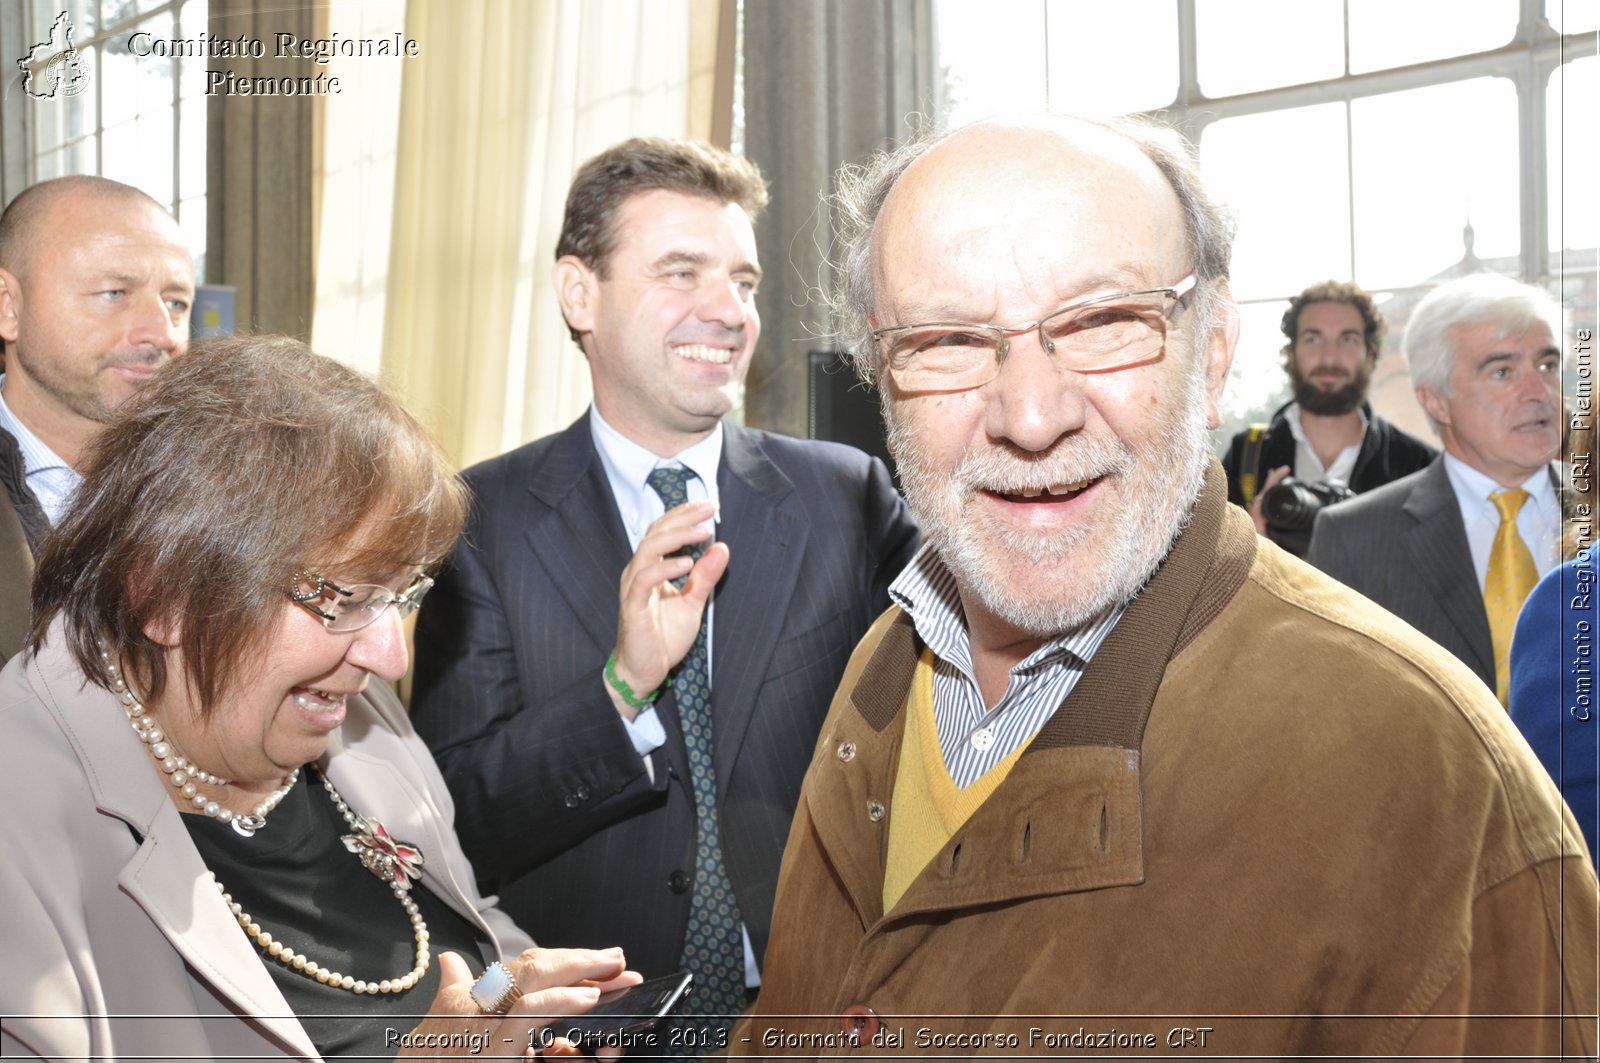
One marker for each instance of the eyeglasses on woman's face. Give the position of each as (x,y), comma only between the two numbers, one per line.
(352,608)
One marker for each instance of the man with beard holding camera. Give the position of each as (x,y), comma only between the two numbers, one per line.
(1328,439)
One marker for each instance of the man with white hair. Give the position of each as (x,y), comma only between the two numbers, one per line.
(1455,549)
(1111,773)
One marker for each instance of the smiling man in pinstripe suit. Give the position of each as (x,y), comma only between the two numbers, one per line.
(545,691)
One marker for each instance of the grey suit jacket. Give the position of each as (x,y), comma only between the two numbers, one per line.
(105,908)
(1405,547)
(556,809)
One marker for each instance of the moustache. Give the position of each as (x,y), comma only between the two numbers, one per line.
(1007,471)
(154,358)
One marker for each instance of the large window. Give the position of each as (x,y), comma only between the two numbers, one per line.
(138,117)
(1395,143)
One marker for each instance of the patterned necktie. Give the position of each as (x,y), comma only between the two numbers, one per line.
(714,946)
(1510,578)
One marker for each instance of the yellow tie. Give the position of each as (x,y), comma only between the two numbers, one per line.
(1510,578)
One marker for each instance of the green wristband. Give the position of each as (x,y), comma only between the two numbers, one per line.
(620,685)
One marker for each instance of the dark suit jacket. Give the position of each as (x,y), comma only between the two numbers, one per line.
(554,806)
(1386,454)
(1405,547)
(22,525)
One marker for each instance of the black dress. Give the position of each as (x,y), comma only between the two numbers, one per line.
(298,881)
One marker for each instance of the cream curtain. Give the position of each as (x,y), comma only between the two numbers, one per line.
(355,182)
(506,98)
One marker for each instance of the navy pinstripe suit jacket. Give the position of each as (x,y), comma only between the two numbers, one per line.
(554,806)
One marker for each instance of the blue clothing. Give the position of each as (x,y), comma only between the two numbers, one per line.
(1552,683)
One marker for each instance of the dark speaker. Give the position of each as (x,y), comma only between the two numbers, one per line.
(843,409)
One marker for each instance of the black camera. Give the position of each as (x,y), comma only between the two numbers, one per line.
(1291,506)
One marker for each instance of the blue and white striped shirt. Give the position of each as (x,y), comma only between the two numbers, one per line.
(973,738)
(52,481)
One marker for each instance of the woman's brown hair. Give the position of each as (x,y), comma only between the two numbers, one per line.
(245,461)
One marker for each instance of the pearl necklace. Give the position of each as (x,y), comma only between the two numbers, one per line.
(394,862)
(180,772)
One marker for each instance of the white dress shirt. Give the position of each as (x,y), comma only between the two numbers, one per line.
(1307,466)
(628,467)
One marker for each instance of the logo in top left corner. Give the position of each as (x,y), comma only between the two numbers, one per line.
(54,68)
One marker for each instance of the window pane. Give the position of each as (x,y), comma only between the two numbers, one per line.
(75,158)
(1572,16)
(1257,384)
(50,164)
(81,13)
(1572,104)
(192,71)
(1427,162)
(1246,45)
(1387,33)
(1284,174)
(192,147)
(192,220)
(139,153)
(1097,67)
(993,58)
(138,84)
(80,156)
(65,118)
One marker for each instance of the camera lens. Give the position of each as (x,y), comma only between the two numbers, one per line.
(1292,505)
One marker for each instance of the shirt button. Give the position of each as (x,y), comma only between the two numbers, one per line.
(678,882)
(874,810)
(847,751)
(982,739)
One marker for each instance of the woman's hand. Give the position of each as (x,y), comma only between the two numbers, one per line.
(554,982)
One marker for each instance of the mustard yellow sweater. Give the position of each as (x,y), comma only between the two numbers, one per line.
(927,807)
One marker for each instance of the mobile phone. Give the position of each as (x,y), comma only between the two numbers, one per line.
(625,1012)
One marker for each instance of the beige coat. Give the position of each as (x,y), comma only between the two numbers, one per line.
(103,932)
(1271,820)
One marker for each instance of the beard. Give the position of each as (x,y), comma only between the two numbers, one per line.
(1045,582)
(1312,398)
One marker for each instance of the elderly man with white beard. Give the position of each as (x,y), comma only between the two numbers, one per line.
(1113,771)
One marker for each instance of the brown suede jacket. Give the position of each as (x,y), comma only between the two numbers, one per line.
(1271,820)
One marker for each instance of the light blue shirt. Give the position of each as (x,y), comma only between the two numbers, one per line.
(628,467)
(972,737)
(1538,521)
(52,481)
